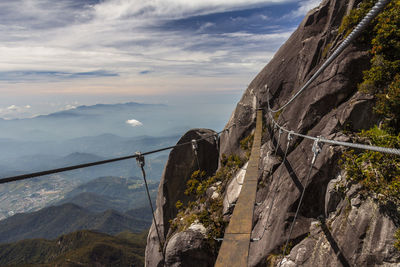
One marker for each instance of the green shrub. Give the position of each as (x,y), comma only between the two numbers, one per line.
(385,50)
(397,237)
(205,210)
(194,182)
(350,21)
(179,205)
(232,161)
(247,143)
(377,172)
(388,105)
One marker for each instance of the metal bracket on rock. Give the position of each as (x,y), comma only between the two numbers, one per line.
(194,146)
(140,159)
(316,148)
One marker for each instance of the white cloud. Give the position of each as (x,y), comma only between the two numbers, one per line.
(134,123)
(13,108)
(68,107)
(304,7)
(95,43)
(114,35)
(116,9)
(15,111)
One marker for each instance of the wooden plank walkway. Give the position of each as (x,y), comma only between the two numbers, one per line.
(235,246)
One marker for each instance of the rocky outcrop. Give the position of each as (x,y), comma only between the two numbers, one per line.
(233,190)
(188,248)
(181,163)
(357,233)
(335,227)
(293,64)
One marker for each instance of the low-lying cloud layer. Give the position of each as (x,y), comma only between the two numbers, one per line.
(15,111)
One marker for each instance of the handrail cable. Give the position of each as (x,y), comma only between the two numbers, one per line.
(195,149)
(90,164)
(289,139)
(316,149)
(352,36)
(279,140)
(141,163)
(387,150)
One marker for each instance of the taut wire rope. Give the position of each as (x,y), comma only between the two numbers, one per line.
(141,162)
(350,38)
(289,139)
(316,150)
(90,164)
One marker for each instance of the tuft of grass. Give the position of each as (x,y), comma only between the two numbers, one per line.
(397,239)
(246,144)
(273,259)
(326,50)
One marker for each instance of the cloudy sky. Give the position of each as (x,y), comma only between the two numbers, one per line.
(59,54)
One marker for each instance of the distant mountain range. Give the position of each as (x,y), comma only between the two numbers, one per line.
(81,248)
(111,193)
(155,120)
(57,220)
(105,145)
(106,204)
(98,195)
(96,149)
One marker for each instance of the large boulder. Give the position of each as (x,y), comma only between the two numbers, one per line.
(182,162)
(188,248)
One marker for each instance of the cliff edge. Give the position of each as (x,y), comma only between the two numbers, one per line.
(339,224)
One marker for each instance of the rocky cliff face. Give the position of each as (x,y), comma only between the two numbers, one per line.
(338,224)
(182,162)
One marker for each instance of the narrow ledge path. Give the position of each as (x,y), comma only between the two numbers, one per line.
(235,246)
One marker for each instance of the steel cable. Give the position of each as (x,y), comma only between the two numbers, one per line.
(90,164)
(316,150)
(275,188)
(352,36)
(141,163)
(387,150)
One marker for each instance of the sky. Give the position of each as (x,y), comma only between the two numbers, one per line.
(57,55)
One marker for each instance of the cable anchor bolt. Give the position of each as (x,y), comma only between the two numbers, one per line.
(290,136)
(140,159)
(316,148)
(216,138)
(194,146)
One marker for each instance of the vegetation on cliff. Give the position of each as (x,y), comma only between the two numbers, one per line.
(379,173)
(207,208)
(208,192)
